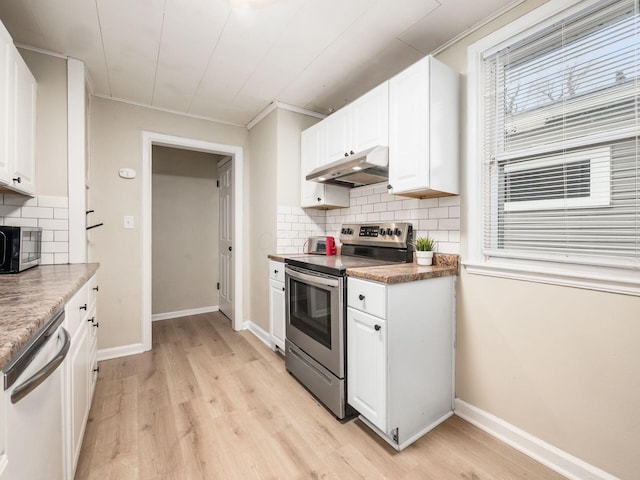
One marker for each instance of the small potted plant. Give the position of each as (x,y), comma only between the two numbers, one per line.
(424,250)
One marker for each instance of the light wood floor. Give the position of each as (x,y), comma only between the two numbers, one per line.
(211,403)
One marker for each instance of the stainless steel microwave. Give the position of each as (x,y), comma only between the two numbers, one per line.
(20,248)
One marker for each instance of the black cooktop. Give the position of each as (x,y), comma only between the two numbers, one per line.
(334,264)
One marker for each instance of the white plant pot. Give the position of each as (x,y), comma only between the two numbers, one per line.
(424,258)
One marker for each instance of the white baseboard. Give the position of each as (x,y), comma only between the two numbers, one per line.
(541,451)
(117,352)
(259,332)
(183,313)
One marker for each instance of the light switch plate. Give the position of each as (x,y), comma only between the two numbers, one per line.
(128,221)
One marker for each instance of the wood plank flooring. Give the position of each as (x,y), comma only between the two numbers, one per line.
(211,403)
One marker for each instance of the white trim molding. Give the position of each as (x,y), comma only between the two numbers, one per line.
(237,154)
(260,333)
(76,144)
(557,460)
(283,106)
(123,351)
(183,313)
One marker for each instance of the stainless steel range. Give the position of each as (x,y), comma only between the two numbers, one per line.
(316,293)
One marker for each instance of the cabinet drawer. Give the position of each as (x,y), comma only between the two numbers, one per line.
(276,271)
(76,309)
(368,297)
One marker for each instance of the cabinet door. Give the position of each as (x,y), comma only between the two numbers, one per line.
(370,119)
(6,76)
(338,127)
(277,317)
(409,129)
(25,128)
(367,366)
(312,141)
(79,363)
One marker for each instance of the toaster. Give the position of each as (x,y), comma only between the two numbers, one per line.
(321,245)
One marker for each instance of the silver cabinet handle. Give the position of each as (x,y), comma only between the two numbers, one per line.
(41,375)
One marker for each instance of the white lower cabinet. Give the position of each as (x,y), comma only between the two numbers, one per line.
(277,313)
(367,361)
(80,371)
(400,355)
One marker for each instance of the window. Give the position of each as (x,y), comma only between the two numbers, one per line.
(556,100)
(553,162)
(570,180)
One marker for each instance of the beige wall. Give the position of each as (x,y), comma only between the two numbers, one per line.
(51,122)
(290,125)
(115,130)
(275,181)
(184,230)
(560,363)
(264,171)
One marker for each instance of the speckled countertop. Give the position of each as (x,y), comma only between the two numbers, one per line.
(443,266)
(29,299)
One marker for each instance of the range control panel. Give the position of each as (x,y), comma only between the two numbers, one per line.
(398,234)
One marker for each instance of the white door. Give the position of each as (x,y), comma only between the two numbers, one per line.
(367,372)
(370,125)
(225,243)
(6,122)
(25,127)
(409,129)
(277,314)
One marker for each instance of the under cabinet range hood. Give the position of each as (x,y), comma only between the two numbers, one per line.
(362,168)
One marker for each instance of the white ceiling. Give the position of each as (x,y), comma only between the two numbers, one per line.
(229,59)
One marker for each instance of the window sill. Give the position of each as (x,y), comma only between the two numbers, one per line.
(605,279)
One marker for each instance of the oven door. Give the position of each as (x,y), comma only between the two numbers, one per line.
(315,316)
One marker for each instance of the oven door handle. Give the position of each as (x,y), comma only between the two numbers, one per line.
(312,279)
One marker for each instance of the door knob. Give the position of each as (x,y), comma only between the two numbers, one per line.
(230,248)
(360,297)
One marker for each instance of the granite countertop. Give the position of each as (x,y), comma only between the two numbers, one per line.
(444,265)
(30,298)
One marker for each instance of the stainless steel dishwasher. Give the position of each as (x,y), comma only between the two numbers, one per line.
(33,384)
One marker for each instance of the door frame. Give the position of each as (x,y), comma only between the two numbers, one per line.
(149,139)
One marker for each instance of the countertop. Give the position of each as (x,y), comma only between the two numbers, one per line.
(30,298)
(444,265)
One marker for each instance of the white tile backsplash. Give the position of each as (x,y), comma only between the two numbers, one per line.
(436,217)
(49,212)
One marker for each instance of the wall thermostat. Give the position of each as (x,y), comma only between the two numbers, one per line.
(127,173)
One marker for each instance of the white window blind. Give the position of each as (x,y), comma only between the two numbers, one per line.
(560,163)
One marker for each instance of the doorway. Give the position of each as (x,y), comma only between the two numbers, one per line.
(184,230)
(235,154)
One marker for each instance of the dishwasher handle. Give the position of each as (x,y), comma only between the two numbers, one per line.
(41,375)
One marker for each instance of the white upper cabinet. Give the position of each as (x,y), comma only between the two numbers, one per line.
(6,44)
(23,178)
(360,125)
(423,130)
(17,119)
(314,194)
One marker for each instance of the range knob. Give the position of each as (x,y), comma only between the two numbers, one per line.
(343,231)
(389,232)
(383,232)
(397,231)
(349,231)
